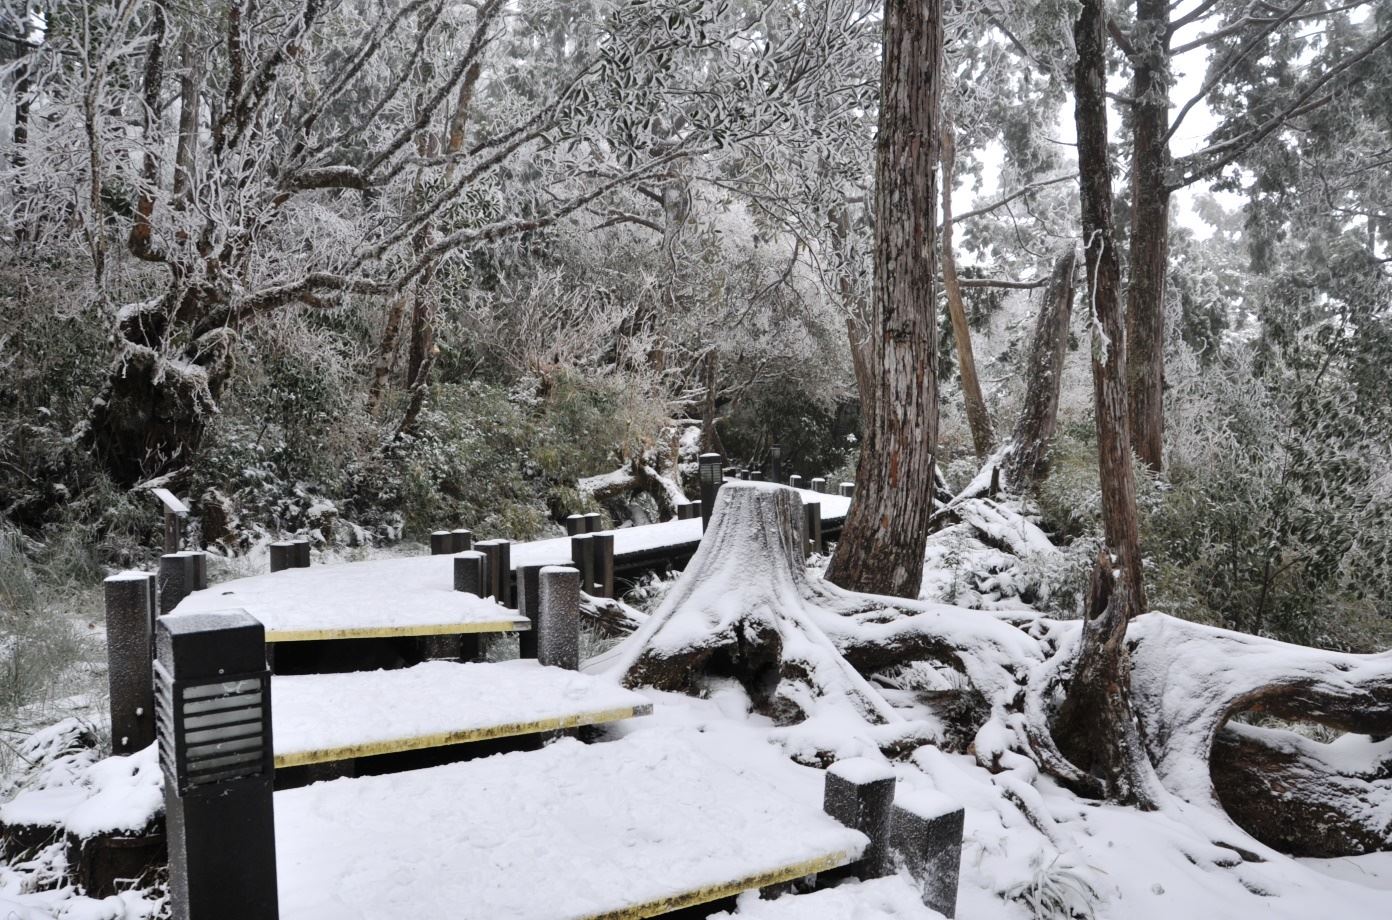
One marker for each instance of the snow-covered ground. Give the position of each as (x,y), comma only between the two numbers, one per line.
(1031,848)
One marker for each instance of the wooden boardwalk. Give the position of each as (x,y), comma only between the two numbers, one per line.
(626,829)
(323,718)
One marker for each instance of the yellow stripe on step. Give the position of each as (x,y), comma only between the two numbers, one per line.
(441,739)
(520,624)
(729,889)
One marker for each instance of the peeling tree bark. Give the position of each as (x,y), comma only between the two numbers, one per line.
(881,545)
(1150,233)
(1028,461)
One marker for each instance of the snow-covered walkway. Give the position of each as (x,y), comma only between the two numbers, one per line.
(629,828)
(318,718)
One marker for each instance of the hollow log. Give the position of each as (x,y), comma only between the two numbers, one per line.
(1303,797)
(1188,680)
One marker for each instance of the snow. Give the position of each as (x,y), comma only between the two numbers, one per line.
(113,795)
(374,711)
(892,898)
(861,770)
(404,596)
(568,831)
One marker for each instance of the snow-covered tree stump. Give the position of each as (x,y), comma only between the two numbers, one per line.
(743,609)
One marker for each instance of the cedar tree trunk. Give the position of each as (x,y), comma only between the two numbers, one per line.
(882,544)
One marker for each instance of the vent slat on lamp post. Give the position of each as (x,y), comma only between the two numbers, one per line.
(712,475)
(213,713)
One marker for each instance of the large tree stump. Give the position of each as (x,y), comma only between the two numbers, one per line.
(744,609)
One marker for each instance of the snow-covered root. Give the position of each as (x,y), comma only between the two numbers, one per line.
(1303,797)
(611,618)
(1188,680)
(745,609)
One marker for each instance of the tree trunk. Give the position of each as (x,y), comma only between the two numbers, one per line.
(710,436)
(881,545)
(190,93)
(1028,462)
(150,415)
(1095,727)
(1150,234)
(978,416)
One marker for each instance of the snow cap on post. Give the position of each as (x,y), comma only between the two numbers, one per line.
(471,573)
(860,794)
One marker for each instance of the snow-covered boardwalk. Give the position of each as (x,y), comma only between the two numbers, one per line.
(627,829)
(637,546)
(358,600)
(320,718)
(414,596)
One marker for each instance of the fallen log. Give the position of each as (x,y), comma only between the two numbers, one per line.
(1305,797)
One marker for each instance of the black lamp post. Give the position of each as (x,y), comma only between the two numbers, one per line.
(775,464)
(712,475)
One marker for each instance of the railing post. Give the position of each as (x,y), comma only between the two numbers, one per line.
(558,620)
(299,553)
(441,543)
(795,481)
(712,477)
(847,490)
(462,540)
(282,555)
(860,794)
(684,511)
(698,509)
(504,577)
(812,511)
(128,661)
(755,476)
(490,549)
(179,576)
(174,513)
(927,836)
(582,558)
(604,565)
(529,605)
(575,524)
(818,484)
(593,523)
(471,574)
(213,698)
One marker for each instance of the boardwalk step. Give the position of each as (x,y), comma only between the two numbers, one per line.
(321,718)
(360,600)
(627,829)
